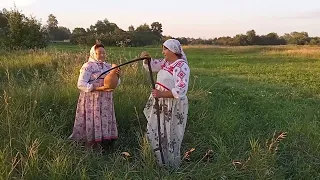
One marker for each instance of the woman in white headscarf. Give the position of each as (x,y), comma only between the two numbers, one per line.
(171,89)
(95,120)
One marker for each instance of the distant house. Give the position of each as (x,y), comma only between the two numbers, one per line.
(64,41)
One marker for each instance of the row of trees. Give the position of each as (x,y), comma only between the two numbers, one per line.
(250,38)
(110,34)
(19,31)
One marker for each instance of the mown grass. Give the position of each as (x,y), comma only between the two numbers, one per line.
(239,97)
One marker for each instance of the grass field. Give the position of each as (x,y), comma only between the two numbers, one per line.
(256,108)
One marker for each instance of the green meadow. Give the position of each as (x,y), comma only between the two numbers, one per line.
(254,113)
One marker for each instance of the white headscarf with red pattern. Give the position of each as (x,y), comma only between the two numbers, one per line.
(174,46)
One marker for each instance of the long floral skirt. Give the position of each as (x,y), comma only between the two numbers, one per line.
(95,118)
(173,119)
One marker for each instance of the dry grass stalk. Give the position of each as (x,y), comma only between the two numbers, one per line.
(272,147)
(274,142)
(187,154)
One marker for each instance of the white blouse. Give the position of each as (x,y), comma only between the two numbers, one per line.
(89,71)
(176,78)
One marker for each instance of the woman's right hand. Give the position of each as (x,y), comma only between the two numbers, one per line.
(145,54)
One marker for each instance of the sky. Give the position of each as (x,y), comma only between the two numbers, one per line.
(198,19)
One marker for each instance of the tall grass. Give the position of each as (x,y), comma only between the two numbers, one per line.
(307,52)
(241,100)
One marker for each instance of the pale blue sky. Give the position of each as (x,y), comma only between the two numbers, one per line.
(200,18)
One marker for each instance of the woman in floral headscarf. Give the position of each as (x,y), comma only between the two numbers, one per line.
(171,89)
(95,120)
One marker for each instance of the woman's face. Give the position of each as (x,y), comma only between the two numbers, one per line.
(101,53)
(168,55)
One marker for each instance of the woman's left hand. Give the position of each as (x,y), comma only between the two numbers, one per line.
(118,71)
(156,93)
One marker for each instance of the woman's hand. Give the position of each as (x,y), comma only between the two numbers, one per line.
(156,93)
(145,54)
(161,94)
(118,72)
(102,88)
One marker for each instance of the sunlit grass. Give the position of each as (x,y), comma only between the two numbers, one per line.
(239,96)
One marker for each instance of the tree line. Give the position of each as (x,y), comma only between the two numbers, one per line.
(20,31)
